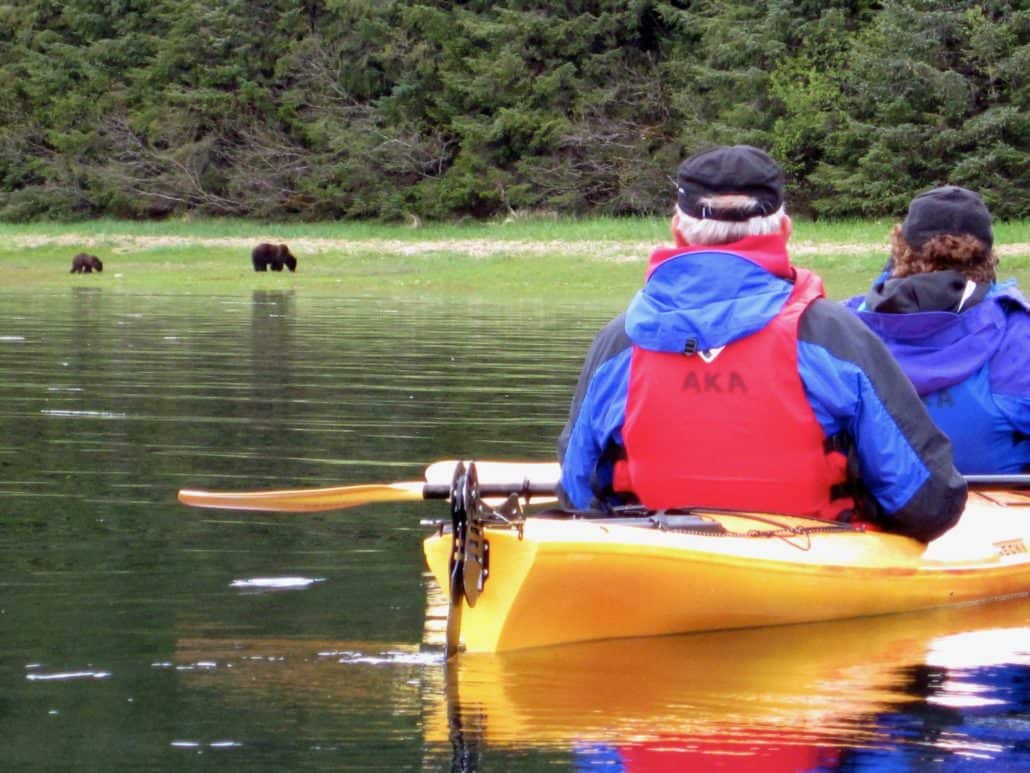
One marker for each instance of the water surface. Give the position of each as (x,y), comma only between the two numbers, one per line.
(139,634)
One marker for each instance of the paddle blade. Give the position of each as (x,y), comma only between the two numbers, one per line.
(305,500)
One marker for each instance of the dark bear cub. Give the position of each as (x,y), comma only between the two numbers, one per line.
(273,256)
(86,264)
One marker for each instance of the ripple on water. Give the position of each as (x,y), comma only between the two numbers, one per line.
(66,676)
(276,583)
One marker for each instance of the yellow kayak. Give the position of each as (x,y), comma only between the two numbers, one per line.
(553,580)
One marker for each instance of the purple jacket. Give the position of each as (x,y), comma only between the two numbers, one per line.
(971,367)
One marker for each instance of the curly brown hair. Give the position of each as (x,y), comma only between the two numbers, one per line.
(963,253)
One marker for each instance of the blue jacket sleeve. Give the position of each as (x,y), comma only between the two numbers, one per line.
(855,387)
(586,468)
(608,342)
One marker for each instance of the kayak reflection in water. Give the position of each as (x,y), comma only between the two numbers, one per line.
(969,710)
(895,692)
(964,718)
(732,382)
(675,754)
(962,338)
(964,707)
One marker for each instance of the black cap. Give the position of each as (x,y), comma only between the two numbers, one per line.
(947,210)
(740,169)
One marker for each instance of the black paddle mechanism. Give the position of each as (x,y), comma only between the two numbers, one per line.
(463,488)
(470,551)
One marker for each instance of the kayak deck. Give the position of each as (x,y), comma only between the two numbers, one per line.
(559,580)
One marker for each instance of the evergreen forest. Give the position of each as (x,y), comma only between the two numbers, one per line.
(314,110)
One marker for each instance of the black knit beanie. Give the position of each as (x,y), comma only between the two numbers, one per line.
(947,210)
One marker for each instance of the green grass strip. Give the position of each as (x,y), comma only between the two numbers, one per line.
(598,260)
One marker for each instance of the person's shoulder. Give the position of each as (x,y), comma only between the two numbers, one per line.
(837,330)
(1010,298)
(1014,348)
(612,336)
(825,317)
(615,324)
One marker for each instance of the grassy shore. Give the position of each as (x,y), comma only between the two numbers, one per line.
(556,260)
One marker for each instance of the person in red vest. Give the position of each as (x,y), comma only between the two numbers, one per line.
(732,382)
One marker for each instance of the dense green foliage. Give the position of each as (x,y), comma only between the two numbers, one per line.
(321,109)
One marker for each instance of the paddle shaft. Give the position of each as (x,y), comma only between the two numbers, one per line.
(526,488)
(997,481)
(538,479)
(341,497)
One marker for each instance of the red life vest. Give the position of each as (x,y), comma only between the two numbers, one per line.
(735,432)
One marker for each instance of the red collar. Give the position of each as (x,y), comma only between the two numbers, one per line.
(768,251)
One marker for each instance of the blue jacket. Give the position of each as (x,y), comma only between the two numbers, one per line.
(861,399)
(971,368)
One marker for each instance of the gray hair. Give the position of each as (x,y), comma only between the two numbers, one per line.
(710,231)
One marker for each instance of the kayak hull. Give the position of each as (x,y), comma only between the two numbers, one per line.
(557,581)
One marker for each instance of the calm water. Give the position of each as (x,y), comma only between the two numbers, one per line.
(139,634)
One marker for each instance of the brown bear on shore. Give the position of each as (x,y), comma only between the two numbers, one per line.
(273,256)
(86,264)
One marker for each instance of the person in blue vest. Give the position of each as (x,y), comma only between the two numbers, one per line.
(962,337)
(731,382)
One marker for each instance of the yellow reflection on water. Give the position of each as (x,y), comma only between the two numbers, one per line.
(768,693)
